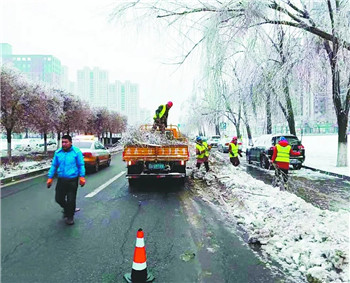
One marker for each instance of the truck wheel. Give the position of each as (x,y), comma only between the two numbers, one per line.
(297,166)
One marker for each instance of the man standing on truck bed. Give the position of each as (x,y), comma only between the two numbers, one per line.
(161,117)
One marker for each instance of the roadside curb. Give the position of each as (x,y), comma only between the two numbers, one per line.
(22,177)
(12,180)
(328,173)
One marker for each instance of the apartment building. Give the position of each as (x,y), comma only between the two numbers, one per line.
(38,68)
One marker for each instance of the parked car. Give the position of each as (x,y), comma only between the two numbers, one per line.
(50,142)
(214,140)
(95,154)
(223,144)
(262,150)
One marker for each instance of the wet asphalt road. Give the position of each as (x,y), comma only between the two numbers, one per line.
(186,241)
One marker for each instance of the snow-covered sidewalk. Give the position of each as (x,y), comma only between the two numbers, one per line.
(321,153)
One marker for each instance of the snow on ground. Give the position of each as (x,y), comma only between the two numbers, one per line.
(303,239)
(321,153)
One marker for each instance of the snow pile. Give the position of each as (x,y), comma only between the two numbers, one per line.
(144,137)
(11,170)
(305,240)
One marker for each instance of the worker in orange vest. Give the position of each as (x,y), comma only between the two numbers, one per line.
(161,117)
(280,157)
(234,151)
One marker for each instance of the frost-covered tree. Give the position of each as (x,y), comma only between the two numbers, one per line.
(16,99)
(327,21)
(45,113)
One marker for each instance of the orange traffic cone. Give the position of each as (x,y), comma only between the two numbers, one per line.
(139,272)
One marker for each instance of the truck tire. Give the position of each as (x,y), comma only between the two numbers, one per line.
(132,182)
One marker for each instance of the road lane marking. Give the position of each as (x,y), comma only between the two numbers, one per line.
(100,188)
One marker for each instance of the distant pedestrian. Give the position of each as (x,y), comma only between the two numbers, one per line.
(68,163)
(234,151)
(161,117)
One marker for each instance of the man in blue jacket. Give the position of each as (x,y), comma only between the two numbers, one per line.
(68,163)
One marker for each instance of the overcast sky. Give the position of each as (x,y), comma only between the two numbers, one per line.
(79,34)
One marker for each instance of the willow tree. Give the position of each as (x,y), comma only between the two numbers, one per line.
(328,22)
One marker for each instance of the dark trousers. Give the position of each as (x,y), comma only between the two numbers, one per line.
(283,172)
(159,123)
(66,194)
(235,161)
(206,164)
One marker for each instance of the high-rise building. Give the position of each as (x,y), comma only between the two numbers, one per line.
(92,86)
(114,96)
(132,101)
(125,99)
(38,68)
(5,49)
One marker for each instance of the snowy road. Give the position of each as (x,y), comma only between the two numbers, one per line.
(321,190)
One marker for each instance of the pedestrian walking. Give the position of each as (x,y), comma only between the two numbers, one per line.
(200,154)
(68,163)
(234,151)
(281,156)
(161,117)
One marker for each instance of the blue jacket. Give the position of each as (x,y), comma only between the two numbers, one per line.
(67,164)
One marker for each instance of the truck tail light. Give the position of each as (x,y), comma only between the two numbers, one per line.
(87,154)
(182,162)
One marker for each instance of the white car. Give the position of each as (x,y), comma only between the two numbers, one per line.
(214,140)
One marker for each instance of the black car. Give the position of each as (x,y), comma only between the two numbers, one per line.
(262,150)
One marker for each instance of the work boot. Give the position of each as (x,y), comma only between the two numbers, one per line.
(70,220)
(64,215)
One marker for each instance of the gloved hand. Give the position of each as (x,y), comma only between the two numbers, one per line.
(49,182)
(82,181)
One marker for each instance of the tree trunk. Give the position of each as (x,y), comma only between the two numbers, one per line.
(45,143)
(342,119)
(237,130)
(246,122)
(217,129)
(290,113)
(8,137)
(268,113)
(58,139)
(342,112)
